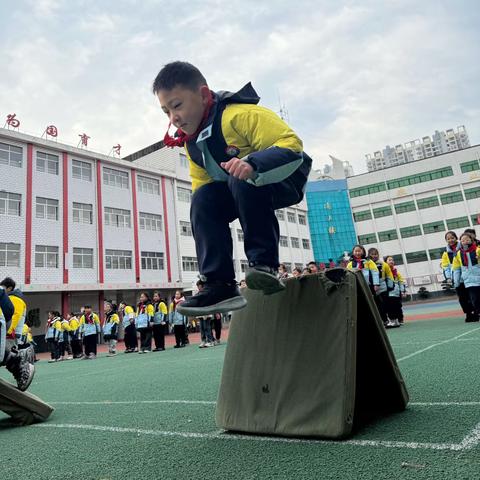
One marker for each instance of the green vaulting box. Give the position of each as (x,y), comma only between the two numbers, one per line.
(312,361)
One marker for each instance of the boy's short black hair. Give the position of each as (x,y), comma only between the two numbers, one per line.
(313,262)
(176,74)
(8,282)
(471,231)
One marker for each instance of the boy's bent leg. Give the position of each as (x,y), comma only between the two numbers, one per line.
(255,207)
(211,212)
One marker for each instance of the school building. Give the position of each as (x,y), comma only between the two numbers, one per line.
(405,210)
(78,227)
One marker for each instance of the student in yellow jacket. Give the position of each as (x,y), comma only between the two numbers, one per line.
(90,327)
(385,283)
(14,333)
(110,327)
(130,332)
(466,269)
(160,322)
(75,335)
(144,321)
(53,335)
(369,269)
(245,162)
(395,295)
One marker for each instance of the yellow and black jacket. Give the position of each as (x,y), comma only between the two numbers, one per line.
(238,127)
(20,311)
(368,268)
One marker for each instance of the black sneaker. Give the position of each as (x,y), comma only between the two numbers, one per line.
(263,277)
(21,369)
(216,297)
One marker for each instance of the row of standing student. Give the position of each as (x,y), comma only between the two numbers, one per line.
(385,281)
(461,268)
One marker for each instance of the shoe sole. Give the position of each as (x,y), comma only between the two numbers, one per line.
(268,284)
(32,373)
(229,305)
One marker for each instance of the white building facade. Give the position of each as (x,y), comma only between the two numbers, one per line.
(77,227)
(406,210)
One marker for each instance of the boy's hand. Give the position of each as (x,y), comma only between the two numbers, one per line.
(238,168)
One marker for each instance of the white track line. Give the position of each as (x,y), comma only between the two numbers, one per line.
(138,402)
(470,441)
(437,344)
(211,402)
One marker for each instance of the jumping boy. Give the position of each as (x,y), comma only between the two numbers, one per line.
(245,162)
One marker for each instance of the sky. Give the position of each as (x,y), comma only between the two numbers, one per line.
(352,76)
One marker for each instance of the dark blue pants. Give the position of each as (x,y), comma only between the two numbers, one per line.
(216,204)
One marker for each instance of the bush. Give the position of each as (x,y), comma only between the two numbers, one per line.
(423,292)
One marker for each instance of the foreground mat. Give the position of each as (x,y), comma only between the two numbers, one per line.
(23,407)
(313,360)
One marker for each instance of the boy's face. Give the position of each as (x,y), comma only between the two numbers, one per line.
(466,241)
(185,107)
(374,256)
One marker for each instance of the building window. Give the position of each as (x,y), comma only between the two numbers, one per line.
(184,194)
(363,215)
(405,207)
(368,238)
(410,231)
(387,235)
(471,193)
(283,241)
(302,219)
(82,213)
(436,253)
(368,190)
(429,202)
(47,163)
(433,227)
(453,197)
(183,160)
(152,261)
(291,217)
(243,265)
(150,221)
(186,229)
(475,219)
(11,155)
(280,214)
(9,254)
(189,264)
(382,212)
(295,242)
(116,217)
(10,204)
(306,243)
(398,259)
(240,235)
(46,256)
(415,257)
(148,185)
(118,259)
(82,170)
(420,178)
(458,222)
(46,208)
(470,166)
(115,178)
(83,258)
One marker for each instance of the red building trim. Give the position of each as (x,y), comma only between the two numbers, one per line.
(65,304)
(167,237)
(101,306)
(65,217)
(135,226)
(28,216)
(101,276)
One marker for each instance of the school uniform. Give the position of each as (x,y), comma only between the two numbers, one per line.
(462,293)
(160,325)
(394,301)
(75,337)
(57,336)
(466,268)
(128,323)
(110,331)
(369,271)
(145,314)
(385,285)
(90,327)
(179,323)
(14,332)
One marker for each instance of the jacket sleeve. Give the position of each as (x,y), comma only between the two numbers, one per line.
(6,305)
(163,308)
(401,283)
(115,321)
(446,266)
(150,311)
(18,311)
(277,148)
(388,276)
(457,270)
(349,266)
(374,271)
